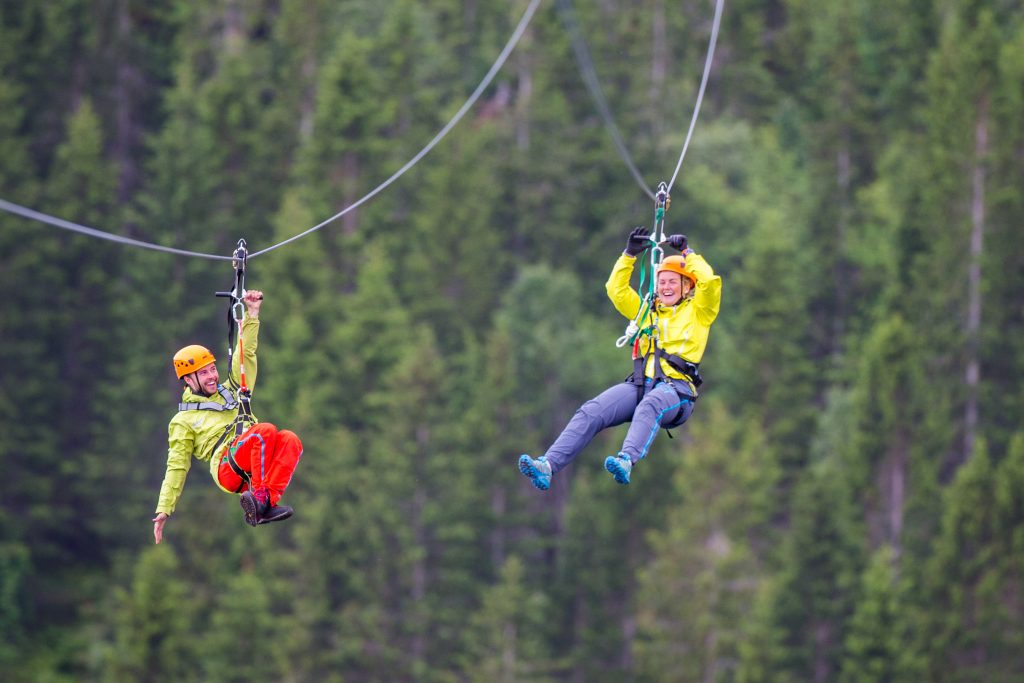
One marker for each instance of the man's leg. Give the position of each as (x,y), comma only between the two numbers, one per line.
(270,457)
(281,465)
(611,407)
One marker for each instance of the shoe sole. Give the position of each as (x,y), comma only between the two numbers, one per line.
(279,518)
(532,472)
(615,468)
(248,502)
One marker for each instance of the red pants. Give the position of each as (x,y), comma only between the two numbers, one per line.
(268,457)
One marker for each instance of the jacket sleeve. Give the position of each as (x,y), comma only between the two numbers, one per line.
(249,342)
(708,295)
(180,444)
(624,298)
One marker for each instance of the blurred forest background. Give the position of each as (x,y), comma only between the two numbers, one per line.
(846,504)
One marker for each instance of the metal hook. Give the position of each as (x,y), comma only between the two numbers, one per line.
(661,198)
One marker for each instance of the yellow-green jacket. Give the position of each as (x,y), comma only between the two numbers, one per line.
(682,329)
(195,432)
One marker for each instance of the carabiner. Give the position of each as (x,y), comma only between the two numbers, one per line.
(662,198)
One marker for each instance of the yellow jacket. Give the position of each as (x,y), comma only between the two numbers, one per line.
(682,329)
(195,432)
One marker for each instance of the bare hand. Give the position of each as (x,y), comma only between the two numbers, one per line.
(253,299)
(158,526)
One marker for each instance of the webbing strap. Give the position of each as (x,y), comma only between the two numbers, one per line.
(684,366)
(229,402)
(243,475)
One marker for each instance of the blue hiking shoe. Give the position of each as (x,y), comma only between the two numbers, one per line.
(620,466)
(539,471)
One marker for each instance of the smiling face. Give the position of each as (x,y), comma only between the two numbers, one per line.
(204,380)
(672,287)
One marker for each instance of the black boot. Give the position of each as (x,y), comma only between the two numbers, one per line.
(253,507)
(276,513)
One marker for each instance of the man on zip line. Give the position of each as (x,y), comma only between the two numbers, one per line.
(246,457)
(669,344)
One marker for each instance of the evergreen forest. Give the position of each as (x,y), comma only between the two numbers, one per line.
(846,504)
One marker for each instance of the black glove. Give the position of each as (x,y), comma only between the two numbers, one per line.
(638,241)
(677,242)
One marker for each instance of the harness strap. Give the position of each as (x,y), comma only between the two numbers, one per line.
(639,377)
(236,468)
(684,366)
(229,402)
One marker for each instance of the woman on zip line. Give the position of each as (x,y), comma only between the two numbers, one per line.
(668,345)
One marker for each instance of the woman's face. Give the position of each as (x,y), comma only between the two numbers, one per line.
(672,287)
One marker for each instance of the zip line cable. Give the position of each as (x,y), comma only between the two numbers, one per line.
(31,214)
(589,74)
(19,210)
(512,41)
(703,85)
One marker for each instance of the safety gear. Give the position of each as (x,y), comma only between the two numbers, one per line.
(538,471)
(676,264)
(638,241)
(263,458)
(619,466)
(198,433)
(677,242)
(683,329)
(191,358)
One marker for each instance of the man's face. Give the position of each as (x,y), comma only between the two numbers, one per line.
(672,287)
(204,380)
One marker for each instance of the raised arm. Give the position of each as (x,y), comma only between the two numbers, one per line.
(249,341)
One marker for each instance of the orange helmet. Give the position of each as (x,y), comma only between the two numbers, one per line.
(192,358)
(676,264)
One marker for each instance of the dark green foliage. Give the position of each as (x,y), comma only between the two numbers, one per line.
(844,505)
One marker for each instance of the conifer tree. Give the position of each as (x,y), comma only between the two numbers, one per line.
(154,636)
(814,597)
(695,594)
(970,630)
(504,643)
(878,647)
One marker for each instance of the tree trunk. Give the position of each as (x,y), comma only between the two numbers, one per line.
(524,95)
(126,87)
(973,364)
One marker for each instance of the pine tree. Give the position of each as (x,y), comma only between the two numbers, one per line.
(241,644)
(812,602)
(970,630)
(504,636)
(154,637)
(878,644)
(695,594)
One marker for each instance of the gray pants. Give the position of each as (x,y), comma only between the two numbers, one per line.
(662,406)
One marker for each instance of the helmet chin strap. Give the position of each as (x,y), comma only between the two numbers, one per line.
(198,388)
